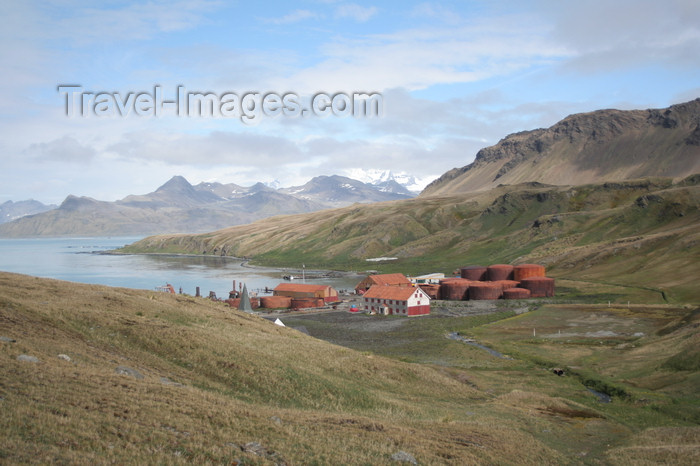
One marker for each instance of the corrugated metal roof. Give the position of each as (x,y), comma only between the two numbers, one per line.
(392,292)
(390,279)
(300,287)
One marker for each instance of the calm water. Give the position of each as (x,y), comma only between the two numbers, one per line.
(78,260)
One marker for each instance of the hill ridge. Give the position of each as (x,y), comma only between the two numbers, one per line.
(602,145)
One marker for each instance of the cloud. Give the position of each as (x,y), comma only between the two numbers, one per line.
(135,21)
(355,11)
(423,57)
(217,148)
(607,35)
(293,17)
(433,10)
(64,149)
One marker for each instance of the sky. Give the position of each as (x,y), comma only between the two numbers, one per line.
(452,77)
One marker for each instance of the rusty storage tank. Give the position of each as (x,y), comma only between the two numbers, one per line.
(516,293)
(455,290)
(236,302)
(540,287)
(527,271)
(275,302)
(506,284)
(484,290)
(442,282)
(303,303)
(500,272)
(433,291)
(474,272)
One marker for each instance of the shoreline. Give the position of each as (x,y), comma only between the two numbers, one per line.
(309,273)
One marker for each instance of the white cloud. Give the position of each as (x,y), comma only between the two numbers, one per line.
(135,21)
(218,148)
(355,11)
(420,58)
(608,35)
(64,149)
(437,11)
(293,17)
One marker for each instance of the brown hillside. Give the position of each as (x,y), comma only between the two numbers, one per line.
(600,146)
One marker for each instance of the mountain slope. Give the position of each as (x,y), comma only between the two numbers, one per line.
(605,145)
(176,192)
(86,216)
(649,228)
(10,211)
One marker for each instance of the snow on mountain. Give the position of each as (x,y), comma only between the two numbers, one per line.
(379,177)
(274,184)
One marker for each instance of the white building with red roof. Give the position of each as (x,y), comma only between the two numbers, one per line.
(396,300)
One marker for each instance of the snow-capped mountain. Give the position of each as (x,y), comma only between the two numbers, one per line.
(385,179)
(337,191)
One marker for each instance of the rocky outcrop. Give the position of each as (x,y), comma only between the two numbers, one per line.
(585,148)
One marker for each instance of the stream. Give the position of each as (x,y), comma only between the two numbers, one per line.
(602,397)
(456,336)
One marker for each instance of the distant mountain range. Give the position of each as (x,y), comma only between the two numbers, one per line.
(10,211)
(178,206)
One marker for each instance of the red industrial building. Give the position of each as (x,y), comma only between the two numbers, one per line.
(396,300)
(302,290)
(387,279)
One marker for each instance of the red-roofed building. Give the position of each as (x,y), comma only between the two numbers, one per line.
(389,279)
(399,300)
(303,290)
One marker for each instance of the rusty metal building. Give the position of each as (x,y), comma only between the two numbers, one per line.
(303,290)
(387,279)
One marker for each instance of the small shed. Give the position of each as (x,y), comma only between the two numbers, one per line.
(398,300)
(387,279)
(303,290)
(431,279)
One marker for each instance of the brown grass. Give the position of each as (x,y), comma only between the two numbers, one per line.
(215,379)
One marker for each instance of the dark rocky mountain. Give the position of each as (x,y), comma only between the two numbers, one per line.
(605,145)
(177,192)
(10,211)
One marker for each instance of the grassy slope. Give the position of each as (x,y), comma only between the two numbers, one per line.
(237,371)
(641,234)
(244,380)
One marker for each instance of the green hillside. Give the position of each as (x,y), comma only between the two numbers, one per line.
(640,233)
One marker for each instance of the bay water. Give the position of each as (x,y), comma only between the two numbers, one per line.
(83,260)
